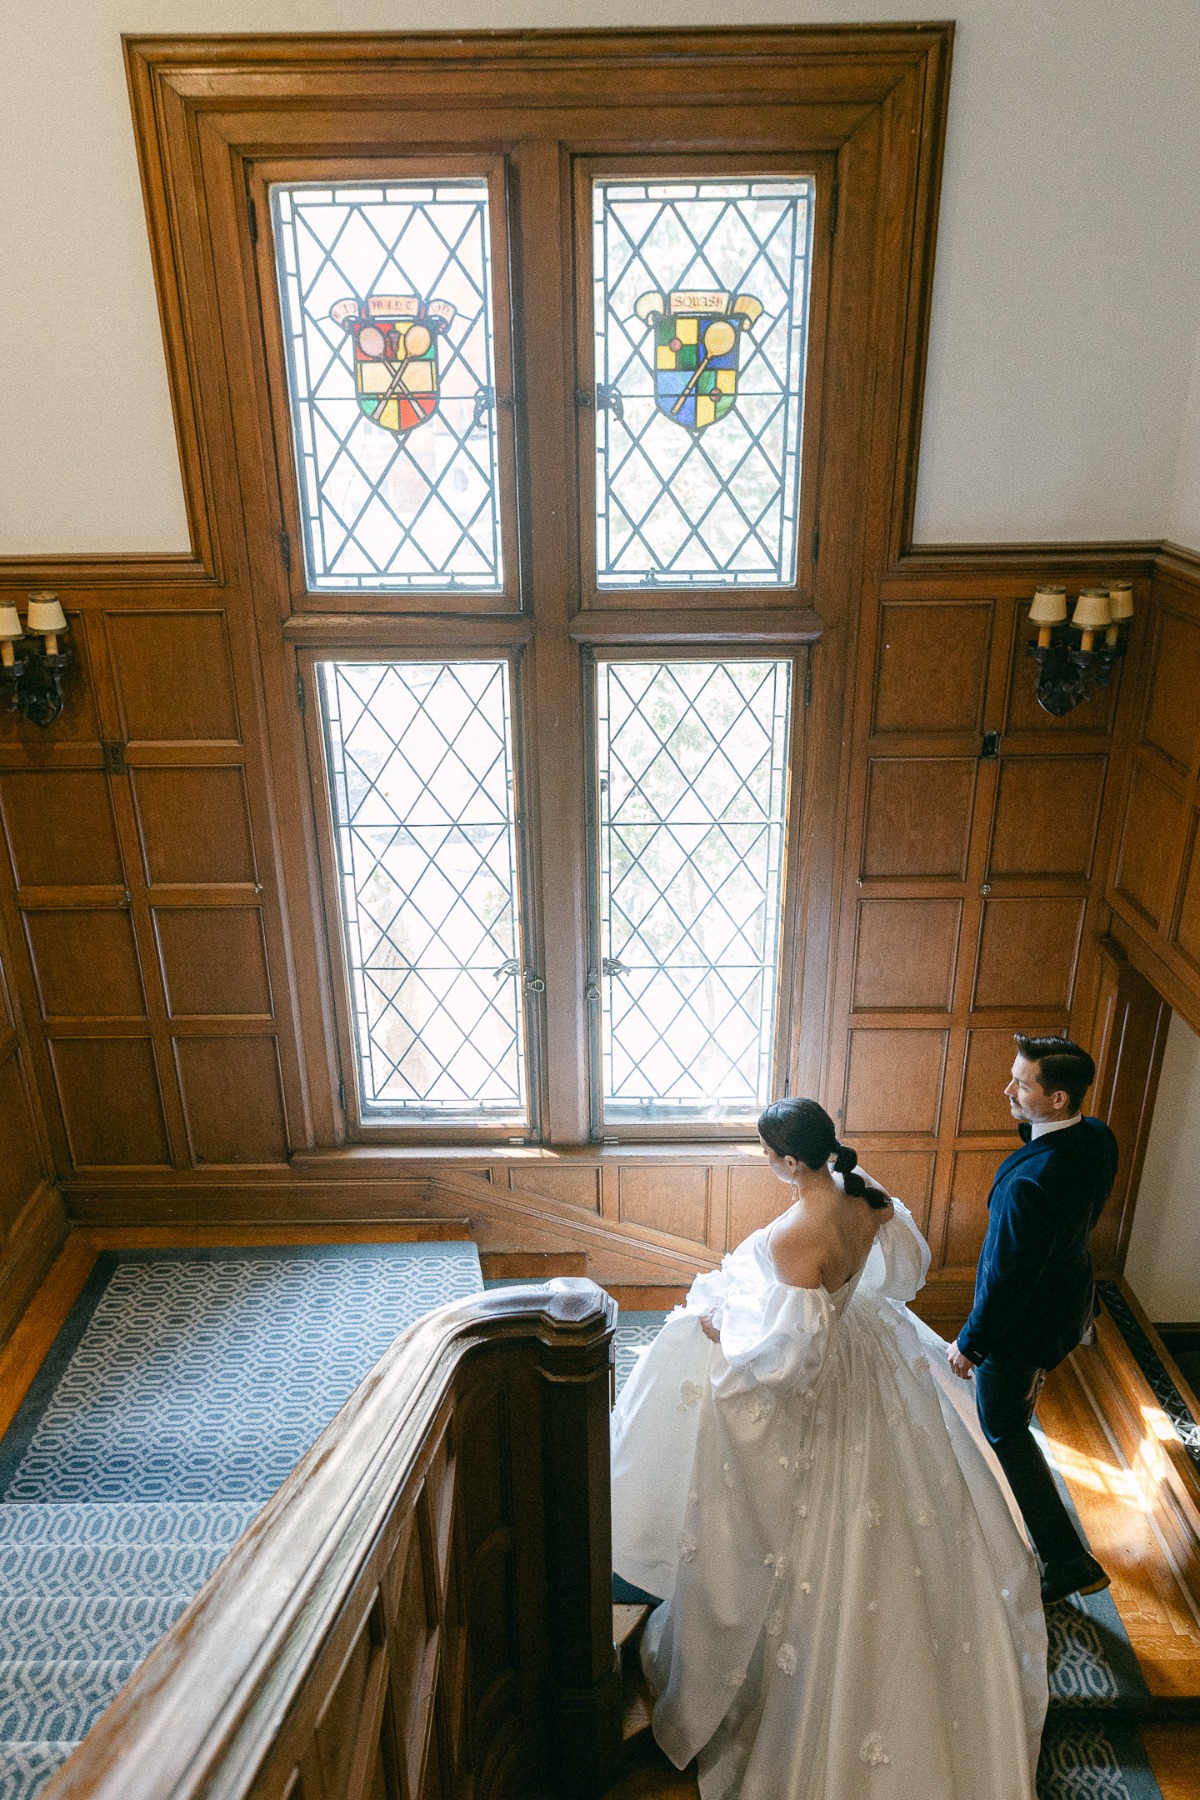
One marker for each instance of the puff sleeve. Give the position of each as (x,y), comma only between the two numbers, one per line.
(899,1259)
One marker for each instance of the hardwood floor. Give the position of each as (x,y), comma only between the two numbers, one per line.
(1163,1628)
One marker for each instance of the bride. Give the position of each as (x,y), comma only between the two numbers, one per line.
(849,1607)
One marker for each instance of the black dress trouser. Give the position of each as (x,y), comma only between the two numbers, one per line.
(1006,1392)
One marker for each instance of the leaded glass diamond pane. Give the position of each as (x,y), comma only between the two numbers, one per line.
(421,779)
(700,318)
(385,297)
(692,760)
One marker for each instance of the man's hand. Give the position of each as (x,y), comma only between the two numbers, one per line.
(962,1365)
(710,1328)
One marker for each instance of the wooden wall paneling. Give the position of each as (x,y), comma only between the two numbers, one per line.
(1129,1036)
(1187,923)
(905,955)
(1149,883)
(1171,720)
(670,1196)
(32,1219)
(1047,816)
(1152,845)
(232,1098)
(918,816)
(173,676)
(971,1176)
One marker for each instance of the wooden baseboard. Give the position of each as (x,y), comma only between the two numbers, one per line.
(37,1235)
(501,1220)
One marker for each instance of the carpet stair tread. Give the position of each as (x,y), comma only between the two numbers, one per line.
(62,1627)
(125,1522)
(57,1701)
(25,1768)
(94,1569)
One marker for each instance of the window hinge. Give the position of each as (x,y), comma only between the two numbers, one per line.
(808,685)
(833,208)
(285,550)
(342,1095)
(252,215)
(816,541)
(301,702)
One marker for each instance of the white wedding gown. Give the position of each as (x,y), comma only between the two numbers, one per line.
(850,1608)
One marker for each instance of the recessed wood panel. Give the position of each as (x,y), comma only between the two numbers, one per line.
(214,960)
(932,666)
(1047,815)
(905,954)
(1188,934)
(967,1215)
(894,1081)
(756,1196)
(20,1170)
(232,1099)
(1024,711)
(1153,817)
(173,675)
(918,816)
(194,825)
(60,828)
(1028,948)
(1172,715)
(673,1199)
(572,1187)
(986,1074)
(111,1103)
(906,1174)
(86,964)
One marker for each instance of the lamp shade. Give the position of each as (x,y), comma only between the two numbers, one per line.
(45,613)
(1049,606)
(1091,610)
(1120,600)
(10,623)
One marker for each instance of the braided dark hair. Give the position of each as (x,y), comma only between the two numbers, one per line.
(803,1129)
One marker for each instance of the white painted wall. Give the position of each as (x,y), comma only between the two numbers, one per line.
(1185,512)
(1163,1264)
(1066,307)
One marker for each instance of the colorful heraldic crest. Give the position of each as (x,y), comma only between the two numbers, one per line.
(697,340)
(395,356)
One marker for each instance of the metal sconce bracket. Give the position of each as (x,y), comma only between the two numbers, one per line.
(32,666)
(32,686)
(1067,674)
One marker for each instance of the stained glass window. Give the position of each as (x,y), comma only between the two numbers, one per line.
(700,314)
(692,774)
(421,778)
(385,295)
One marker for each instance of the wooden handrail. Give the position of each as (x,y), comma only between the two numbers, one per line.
(423,1608)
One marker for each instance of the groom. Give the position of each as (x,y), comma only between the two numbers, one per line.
(1034,1296)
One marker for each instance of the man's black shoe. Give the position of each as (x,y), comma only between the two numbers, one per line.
(1081,1575)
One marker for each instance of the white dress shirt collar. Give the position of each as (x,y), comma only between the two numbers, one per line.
(1041,1127)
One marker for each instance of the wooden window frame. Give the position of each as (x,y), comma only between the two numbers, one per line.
(863,108)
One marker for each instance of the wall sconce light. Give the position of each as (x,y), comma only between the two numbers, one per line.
(31,672)
(1071,668)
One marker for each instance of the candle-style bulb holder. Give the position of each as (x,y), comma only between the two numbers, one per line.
(1076,659)
(32,663)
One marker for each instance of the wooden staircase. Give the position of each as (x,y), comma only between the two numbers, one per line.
(646,1774)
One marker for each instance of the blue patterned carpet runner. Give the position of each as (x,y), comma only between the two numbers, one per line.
(1090,1748)
(182,1390)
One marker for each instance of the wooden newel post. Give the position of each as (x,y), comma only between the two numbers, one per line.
(584,1722)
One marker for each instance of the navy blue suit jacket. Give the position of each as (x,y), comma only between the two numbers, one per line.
(1033,1285)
